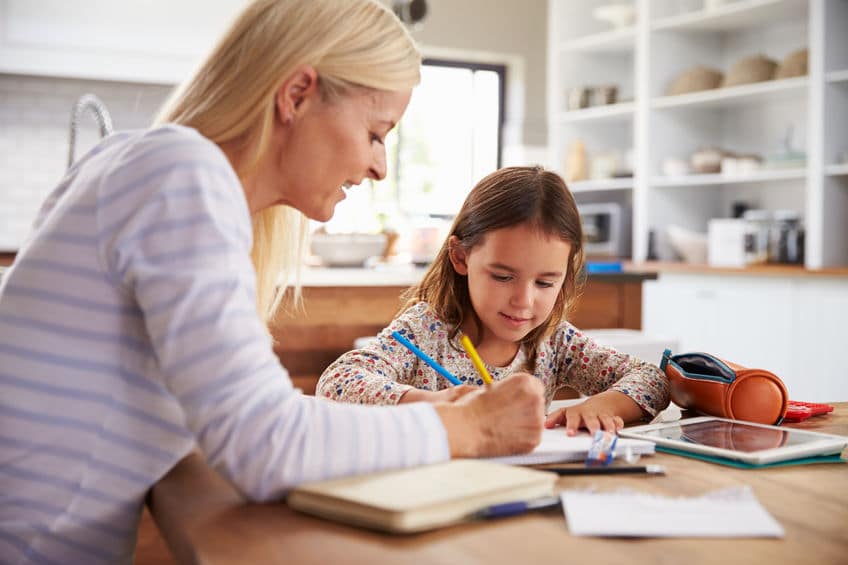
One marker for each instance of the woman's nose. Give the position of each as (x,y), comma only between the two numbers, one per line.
(377,171)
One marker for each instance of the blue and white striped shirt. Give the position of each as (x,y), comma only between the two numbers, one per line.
(129,335)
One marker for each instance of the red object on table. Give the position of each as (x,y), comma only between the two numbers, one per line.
(797,410)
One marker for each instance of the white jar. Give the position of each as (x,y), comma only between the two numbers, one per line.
(757,236)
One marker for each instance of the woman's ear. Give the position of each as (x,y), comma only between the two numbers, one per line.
(301,86)
(458,255)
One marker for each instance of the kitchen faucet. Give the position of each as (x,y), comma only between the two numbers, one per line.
(101,116)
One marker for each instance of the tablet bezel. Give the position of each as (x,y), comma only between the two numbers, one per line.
(827,444)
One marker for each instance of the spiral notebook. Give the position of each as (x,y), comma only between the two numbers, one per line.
(557,447)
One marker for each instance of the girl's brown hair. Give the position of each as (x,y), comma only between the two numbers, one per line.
(508,197)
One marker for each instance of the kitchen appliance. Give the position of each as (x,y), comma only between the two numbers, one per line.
(606,229)
(726,242)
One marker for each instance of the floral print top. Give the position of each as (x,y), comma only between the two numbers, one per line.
(382,371)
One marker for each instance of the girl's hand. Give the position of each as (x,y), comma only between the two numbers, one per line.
(504,418)
(607,410)
(445,395)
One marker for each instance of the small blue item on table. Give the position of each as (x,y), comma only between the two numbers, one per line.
(602,449)
(596,268)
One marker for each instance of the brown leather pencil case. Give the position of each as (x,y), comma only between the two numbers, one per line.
(716,387)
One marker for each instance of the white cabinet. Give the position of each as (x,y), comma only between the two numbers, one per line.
(821,324)
(151,41)
(792,326)
(669,37)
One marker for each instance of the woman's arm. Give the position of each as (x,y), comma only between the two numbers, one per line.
(194,287)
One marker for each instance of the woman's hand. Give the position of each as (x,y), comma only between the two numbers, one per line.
(504,418)
(445,395)
(607,410)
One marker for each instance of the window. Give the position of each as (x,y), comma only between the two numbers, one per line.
(449,138)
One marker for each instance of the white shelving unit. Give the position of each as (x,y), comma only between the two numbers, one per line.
(756,93)
(721,179)
(837,170)
(615,41)
(669,37)
(621,111)
(625,183)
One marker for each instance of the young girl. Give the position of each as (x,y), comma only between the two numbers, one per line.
(506,277)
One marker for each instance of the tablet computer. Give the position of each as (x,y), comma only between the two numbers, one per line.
(742,441)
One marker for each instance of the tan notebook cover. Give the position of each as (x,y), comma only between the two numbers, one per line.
(421,498)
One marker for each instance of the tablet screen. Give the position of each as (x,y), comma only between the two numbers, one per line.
(735,436)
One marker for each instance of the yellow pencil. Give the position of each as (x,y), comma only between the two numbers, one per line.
(469,348)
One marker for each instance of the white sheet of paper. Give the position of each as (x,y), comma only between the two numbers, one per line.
(728,513)
(557,447)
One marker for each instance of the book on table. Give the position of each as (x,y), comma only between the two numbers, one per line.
(421,498)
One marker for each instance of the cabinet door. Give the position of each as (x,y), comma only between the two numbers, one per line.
(822,340)
(748,320)
(680,309)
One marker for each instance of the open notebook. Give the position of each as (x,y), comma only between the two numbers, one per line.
(421,498)
(557,447)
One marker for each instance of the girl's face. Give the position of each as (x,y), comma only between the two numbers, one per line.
(514,278)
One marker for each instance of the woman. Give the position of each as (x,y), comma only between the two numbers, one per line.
(129,332)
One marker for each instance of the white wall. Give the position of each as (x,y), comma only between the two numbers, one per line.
(35,114)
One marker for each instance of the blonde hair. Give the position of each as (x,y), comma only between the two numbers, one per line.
(508,197)
(230,98)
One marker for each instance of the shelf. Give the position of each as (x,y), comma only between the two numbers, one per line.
(599,185)
(621,111)
(615,41)
(719,179)
(836,170)
(735,95)
(837,76)
(734,16)
(670,37)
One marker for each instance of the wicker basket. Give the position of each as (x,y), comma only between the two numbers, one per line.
(695,79)
(794,65)
(749,70)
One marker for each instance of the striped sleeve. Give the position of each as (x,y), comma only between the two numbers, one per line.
(178,240)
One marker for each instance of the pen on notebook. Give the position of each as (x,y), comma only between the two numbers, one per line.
(638,469)
(426,358)
(517,507)
(469,348)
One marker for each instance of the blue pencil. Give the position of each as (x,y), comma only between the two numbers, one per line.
(426,358)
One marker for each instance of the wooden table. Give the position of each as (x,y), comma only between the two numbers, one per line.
(205,521)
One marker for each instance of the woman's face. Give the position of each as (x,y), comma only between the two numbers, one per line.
(332,144)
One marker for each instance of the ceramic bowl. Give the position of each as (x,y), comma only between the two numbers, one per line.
(690,245)
(347,249)
(617,15)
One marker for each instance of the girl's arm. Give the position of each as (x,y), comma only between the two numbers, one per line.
(623,385)
(386,372)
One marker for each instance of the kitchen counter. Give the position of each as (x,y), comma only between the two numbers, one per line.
(754,270)
(408,275)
